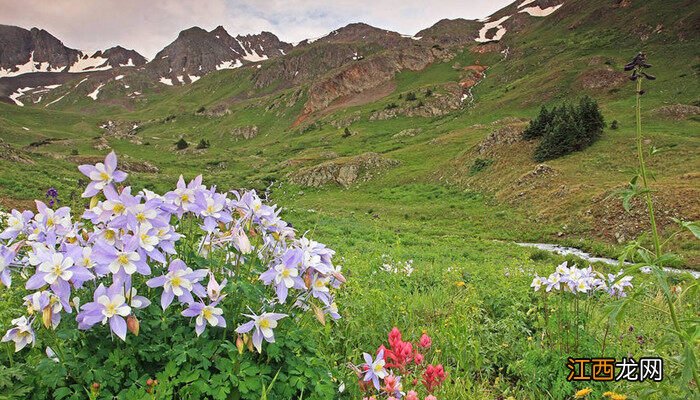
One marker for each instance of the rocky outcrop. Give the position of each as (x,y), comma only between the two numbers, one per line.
(9,153)
(343,171)
(602,79)
(120,129)
(508,134)
(677,111)
(438,104)
(411,132)
(245,132)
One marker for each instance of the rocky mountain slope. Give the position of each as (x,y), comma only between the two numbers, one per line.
(27,51)
(197,52)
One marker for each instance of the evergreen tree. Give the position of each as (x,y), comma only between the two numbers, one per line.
(538,126)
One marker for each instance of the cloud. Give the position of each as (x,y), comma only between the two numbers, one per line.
(150,26)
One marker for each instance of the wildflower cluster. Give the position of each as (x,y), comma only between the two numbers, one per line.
(401,363)
(95,266)
(396,267)
(583,280)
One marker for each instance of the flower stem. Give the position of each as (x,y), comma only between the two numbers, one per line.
(652,221)
(643,173)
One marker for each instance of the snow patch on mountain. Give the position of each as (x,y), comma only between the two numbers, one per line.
(19,93)
(166,81)
(526,2)
(233,64)
(501,30)
(87,63)
(540,12)
(94,94)
(29,66)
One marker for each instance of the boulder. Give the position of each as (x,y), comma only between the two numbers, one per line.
(343,171)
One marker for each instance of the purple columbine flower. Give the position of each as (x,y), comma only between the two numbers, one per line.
(205,314)
(320,290)
(22,334)
(109,305)
(57,270)
(375,368)
(6,258)
(332,310)
(180,281)
(17,223)
(263,325)
(47,304)
(136,301)
(212,207)
(120,262)
(102,175)
(316,256)
(54,221)
(184,198)
(285,275)
(214,288)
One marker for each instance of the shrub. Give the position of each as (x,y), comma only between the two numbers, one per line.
(479,165)
(428,92)
(390,106)
(182,144)
(201,109)
(566,129)
(613,125)
(74,152)
(347,133)
(411,96)
(203,144)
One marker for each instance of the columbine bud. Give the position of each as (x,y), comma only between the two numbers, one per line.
(240,344)
(149,382)
(95,389)
(132,323)
(248,342)
(320,316)
(46,317)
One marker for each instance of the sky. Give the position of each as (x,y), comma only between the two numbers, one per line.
(148,26)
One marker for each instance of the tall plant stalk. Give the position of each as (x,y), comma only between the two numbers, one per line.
(643,173)
(638,63)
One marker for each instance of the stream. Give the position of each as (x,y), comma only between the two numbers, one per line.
(562,250)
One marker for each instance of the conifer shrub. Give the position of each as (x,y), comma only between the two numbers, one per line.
(565,129)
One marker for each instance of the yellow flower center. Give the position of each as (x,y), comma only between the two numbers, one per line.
(50,222)
(109,235)
(185,198)
(210,209)
(104,176)
(140,217)
(123,259)
(111,309)
(264,324)
(119,208)
(176,281)
(206,313)
(57,269)
(285,273)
